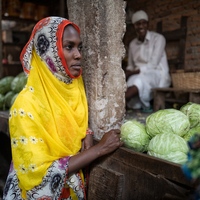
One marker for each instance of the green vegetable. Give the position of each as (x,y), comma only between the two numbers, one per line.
(169,146)
(1,101)
(5,84)
(13,99)
(8,98)
(192,111)
(134,136)
(18,83)
(21,74)
(167,121)
(191,132)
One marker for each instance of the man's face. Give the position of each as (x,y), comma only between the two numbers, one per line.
(141,28)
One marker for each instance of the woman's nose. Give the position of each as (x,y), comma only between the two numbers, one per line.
(77,54)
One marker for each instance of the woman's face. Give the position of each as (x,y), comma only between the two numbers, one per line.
(72,46)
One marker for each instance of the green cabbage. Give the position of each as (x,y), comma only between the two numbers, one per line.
(18,83)
(192,111)
(5,84)
(1,101)
(191,132)
(13,99)
(167,121)
(134,136)
(169,146)
(8,98)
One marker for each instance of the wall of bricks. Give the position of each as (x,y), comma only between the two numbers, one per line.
(170,13)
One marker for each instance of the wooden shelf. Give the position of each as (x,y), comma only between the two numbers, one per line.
(175,100)
(14,44)
(12,65)
(17,19)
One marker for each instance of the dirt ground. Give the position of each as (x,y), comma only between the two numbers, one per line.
(137,115)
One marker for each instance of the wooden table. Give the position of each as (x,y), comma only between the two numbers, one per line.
(160,96)
(129,175)
(4,125)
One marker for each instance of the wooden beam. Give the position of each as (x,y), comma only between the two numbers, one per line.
(105,184)
(1,49)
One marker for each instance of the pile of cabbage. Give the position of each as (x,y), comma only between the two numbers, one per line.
(10,87)
(165,134)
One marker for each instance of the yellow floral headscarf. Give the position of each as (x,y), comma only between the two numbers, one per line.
(50,116)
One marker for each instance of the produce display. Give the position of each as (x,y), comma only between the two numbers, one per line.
(134,136)
(167,121)
(169,146)
(9,89)
(165,134)
(192,111)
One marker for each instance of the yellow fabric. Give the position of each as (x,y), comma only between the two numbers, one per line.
(47,121)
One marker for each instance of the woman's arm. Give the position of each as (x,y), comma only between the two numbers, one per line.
(109,142)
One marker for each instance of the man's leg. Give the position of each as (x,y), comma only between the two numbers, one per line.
(131,92)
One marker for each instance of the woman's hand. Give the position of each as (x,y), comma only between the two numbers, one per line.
(87,142)
(109,142)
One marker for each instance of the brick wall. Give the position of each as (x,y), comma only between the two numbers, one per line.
(170,13)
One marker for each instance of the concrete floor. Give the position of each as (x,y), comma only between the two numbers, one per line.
(137,115)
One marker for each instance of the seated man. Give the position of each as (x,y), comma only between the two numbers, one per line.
(147,64)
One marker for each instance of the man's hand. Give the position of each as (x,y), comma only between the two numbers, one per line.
(130,73)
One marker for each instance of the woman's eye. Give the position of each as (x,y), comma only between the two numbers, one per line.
(80,48)
(68,47)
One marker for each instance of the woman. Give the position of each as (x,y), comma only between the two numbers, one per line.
(49,119)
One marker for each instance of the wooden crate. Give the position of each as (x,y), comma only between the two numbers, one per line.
(129,175)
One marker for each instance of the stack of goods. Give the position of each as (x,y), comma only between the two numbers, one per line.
(165,134)
(10,87)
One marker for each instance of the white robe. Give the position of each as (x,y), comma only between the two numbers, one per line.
(150,58)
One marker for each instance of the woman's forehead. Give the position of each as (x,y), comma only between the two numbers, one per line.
(70,32)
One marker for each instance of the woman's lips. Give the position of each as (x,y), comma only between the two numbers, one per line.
(76,67)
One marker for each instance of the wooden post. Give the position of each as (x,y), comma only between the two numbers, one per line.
(1,49)
(102,25)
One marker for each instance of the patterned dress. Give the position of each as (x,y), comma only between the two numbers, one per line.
(47,121)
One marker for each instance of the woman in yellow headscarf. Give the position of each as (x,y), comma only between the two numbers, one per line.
(48,122)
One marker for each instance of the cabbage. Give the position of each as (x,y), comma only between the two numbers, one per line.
(1,101)
(5,84)
(191,132)
(192,111)
(169,146)
(13,99)
(8,98)
(134,136)
(18,83)
(167,121)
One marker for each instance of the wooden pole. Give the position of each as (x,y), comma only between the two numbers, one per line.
(1,49)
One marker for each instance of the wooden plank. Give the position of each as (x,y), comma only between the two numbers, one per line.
(169,170)
(175,61)
(174,35)
(145,177)
(140,184)
(105,184)
(195,98)
(4,125)
(1,49)
(172,197)
(175,100)
(176,90)
(159,100)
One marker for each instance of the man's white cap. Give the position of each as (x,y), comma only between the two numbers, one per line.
(137,16)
